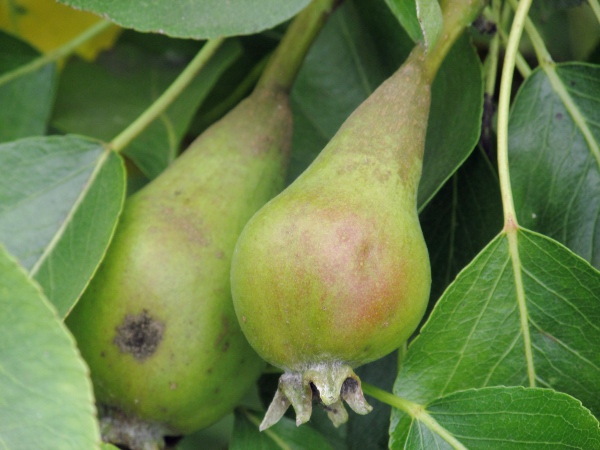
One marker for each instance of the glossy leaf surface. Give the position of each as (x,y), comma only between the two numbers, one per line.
(554,155)
(524,312)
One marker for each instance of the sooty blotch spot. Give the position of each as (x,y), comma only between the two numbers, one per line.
(139,335)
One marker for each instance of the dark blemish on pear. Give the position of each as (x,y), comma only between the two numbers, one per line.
(139,335)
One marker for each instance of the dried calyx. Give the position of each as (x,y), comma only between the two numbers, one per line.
(328,384)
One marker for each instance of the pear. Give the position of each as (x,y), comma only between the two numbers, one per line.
(157,325)
(334,272)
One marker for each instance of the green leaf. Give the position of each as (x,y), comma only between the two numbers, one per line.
(342,69)
(101,99)
(554,143)
(455,119)
(430,18)
(524,312)
(283,435)
(25,101)
(392,42)
(406,13)
(463,217)
(500,417)
(198,19)
(422,19)
(46,398)
(60,198)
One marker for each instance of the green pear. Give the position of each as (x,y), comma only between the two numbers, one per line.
(334,272)
(156,325)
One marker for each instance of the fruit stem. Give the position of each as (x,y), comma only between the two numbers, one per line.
(167,97)
(501,20)
(492,58)
(541,52)
(457,15)
(56,54)
(516,31)
(282,68)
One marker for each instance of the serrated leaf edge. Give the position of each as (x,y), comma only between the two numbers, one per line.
(48,304)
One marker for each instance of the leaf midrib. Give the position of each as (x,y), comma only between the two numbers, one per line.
(72,211)
(513,249)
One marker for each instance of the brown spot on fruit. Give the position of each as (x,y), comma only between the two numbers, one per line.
(139,335)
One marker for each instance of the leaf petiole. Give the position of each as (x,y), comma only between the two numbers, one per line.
(501,18)
(511,226)
(167,97)
(56,54)
(543,56)
(508,206)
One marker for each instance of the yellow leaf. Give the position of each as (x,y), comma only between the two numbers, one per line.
(46,25)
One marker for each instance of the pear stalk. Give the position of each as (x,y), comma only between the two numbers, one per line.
(284,64)
(457,15)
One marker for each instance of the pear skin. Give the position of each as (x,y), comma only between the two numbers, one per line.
(334,272)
